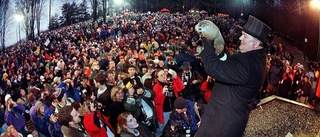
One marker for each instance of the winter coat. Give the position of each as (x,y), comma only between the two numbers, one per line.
(160,97)
(92,124)
(72,132)
(15,117)
(180,124)
(238,80)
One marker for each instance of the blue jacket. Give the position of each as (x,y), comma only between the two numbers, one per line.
(42,123)
(75,96)
(181,124)
(15,117)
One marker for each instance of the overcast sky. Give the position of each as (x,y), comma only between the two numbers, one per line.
(13,25)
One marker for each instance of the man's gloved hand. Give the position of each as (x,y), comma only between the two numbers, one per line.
(210,31)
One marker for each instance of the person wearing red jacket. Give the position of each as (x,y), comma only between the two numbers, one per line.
(97,125)
(206,87)
(166,91)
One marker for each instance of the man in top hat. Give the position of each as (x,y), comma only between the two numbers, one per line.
(191,80)
(238,79)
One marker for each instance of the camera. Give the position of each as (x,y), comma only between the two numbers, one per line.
(298,93)
(168,94)
(11,105)
(169,84)
(96,105)
(187,131)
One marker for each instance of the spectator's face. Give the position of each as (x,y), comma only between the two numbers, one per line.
(131,71)
(111,77)
(68,75)
(306,79)
(186,70)
(41,109)
(119,95)
(144,70)
(35,133)
(181,110)
(75,116)
(22,92)
(248,42)
(28,77)
(161,63)
(112,64)
(131,122)
(162,76)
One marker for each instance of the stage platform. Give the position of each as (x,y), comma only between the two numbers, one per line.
(279,117)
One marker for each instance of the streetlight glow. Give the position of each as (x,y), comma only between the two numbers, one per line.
(18,17)
(118,2)
(316,4)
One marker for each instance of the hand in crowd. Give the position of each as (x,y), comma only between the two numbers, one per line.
(11,105)
(195,81)
(92,108)
(53,118)
(140,91)
(173,74)
(198,124)
(68,81)
(93,98)
(131,91)
(165,89)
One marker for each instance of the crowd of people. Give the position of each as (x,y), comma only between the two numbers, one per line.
(138,74)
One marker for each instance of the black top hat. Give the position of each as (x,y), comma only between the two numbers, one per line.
(257,29)
(186,65)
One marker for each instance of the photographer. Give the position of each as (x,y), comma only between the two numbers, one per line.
(166,91)
(304,89)
(139,103)
(97,124)
(183,119)
(192,81)
(13,115)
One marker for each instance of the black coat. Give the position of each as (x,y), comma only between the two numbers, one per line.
(238,80)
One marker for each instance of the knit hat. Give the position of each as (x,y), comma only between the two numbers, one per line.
(180,103)
(58,93)
(7,97)
(42,78)
(56,80)
(4,75)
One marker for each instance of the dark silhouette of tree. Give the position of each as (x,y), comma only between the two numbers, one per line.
(94,5)
(68,16)
(82,11)
(104,10)
(54,22)
(38,14)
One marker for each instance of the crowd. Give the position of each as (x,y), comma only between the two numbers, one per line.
(138,74)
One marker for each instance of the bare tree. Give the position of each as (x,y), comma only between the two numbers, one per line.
(4,6)
(23,8)
(28,9)
(39,9)
(94,5)
(104,9)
